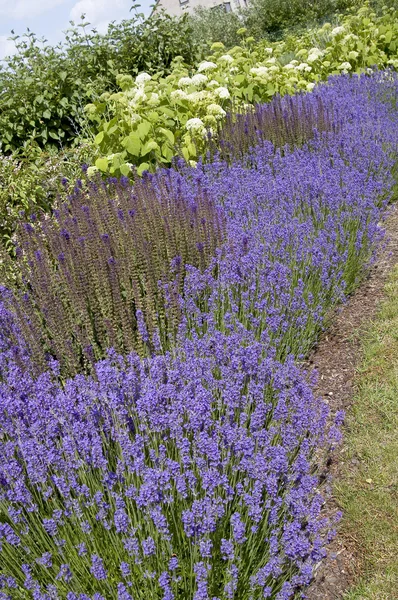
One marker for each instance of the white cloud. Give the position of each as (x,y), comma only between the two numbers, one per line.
(7,46)
(22,9)
(99,12)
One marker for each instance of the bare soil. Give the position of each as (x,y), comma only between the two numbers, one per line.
(336,359)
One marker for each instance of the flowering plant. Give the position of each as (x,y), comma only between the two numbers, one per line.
(151,119)
(190,475)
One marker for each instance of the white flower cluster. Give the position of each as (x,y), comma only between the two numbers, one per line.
(222,93)
(195,124)
(337,31)
(185,82)
(142,78)
(345,67)
(216,110)
(178,95)
(226,58)
(259,71)
(207,65)
(314,54)
(304,67)
(199,79)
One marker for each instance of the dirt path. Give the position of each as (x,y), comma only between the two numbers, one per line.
(336,359)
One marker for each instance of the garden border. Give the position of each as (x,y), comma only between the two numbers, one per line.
(336,359)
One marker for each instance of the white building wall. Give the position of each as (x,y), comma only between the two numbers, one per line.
(178,7)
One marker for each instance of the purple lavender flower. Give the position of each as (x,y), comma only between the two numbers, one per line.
(148,546)
(97,568)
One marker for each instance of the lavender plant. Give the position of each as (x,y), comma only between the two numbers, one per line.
(93,276)
(190,475)
(185,477)
(285,121)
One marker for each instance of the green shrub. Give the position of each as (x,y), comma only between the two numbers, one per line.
(31,181)
(43,89)
(153,118)
(215,25)
(271,17)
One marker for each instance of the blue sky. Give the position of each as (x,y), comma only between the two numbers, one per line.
(49,18)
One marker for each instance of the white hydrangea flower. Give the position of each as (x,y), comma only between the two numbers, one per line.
(345,66)
(259,71)
(154,99)
(142,78)
(92,170)
(194,124)
(289,66)
(222,93)
(135,118)
(273,69)
(310,86)
(185,82)
(197,96)
(213,83)
(271,61)
(337,31)
(199,79)
(314,54)
(216,110)
(227,58)
(304,67)
(140,96)
(207,65)
(178,95)
(268,50)
(234,70)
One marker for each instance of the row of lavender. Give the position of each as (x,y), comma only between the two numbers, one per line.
(188,474)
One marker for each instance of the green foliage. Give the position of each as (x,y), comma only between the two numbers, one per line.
(31,181)
(215,25)
(153,118)
(271,17)
(43,89)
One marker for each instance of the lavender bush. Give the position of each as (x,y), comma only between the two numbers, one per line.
(92,276)
(285,121)
(190,475)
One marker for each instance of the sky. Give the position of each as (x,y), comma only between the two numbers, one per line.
(49,18)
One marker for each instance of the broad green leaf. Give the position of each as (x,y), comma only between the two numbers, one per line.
(149,146)
(125,170)
(47,114)
(132,144)
(143,129)
(102,164)
(169,134)
(143,167)
(167,111)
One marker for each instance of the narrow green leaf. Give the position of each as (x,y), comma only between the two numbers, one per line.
(99,137)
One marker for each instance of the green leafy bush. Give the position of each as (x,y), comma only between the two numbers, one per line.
(271,17)
(31,181)
(153,118)
(214,24)
(43,89)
